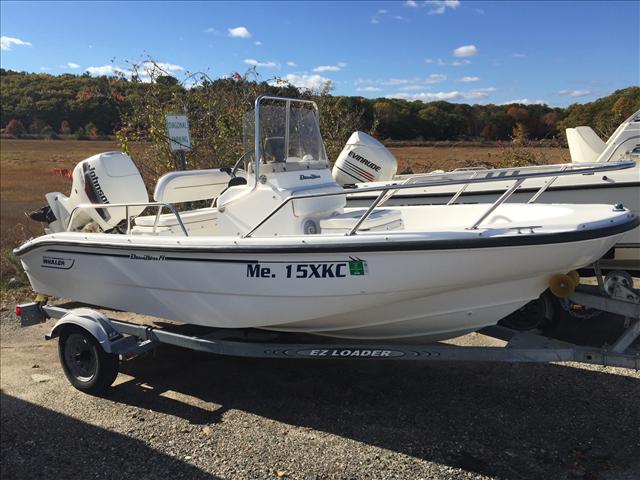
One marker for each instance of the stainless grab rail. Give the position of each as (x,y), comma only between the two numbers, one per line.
(577,169)
(160,205)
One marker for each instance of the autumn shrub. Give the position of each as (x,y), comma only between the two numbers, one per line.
(215,110)
(15,128)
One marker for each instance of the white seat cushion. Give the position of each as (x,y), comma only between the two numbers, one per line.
(378,220)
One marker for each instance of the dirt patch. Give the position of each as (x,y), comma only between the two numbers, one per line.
(193,415)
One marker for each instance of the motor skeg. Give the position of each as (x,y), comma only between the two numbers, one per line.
(364,159)
(104,178)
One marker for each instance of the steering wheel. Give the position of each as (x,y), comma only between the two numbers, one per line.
(237,164)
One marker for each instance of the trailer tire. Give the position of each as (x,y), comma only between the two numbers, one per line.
(85,363)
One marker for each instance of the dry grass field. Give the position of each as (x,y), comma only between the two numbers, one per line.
(27,172)
(31,168)
(449,157)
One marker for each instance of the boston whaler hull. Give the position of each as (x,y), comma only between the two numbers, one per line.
(276,248)
(367,286)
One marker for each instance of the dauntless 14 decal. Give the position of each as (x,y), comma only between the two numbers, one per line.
(308,270)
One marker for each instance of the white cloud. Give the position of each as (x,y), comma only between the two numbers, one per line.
(518,55)
(257,43)
(411,3)
(159,68)
(455,63)
(330,68)
(44,69)
(574,93)
(311,82)
(431,79)
(475,94)
(401,18)
(428,60)
(368,89)
(239,32)
(105,70)
(478,11)
(145,71)
(525,101)
(256,63)
(478,93)
(438,7)
(466,51)
(375,20)
(382,11)
(407,88)
(291,64)
(326,68)
(6,43)
(73,65)
(211,30)
(469,79)
(435,78)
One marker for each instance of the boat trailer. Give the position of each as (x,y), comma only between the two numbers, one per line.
(92,344)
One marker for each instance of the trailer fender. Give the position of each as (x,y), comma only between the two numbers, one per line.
(94,322)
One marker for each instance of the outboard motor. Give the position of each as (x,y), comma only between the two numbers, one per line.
(364,159)
(109,177)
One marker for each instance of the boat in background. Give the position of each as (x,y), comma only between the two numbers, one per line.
(365,162)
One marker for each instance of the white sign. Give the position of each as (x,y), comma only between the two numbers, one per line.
(178,129)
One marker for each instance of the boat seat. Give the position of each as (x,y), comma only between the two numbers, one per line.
(203,221)
(379,220)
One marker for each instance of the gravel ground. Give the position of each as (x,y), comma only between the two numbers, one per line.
(179,414)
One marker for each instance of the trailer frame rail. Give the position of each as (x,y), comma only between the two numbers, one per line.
(132,339)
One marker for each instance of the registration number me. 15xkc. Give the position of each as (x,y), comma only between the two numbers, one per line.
(308,270)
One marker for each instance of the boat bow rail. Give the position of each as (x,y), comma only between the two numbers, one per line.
(519,175)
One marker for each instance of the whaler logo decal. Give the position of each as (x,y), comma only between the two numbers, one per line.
(313,176)
(57,262)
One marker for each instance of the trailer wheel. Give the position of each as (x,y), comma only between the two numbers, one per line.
(87,366)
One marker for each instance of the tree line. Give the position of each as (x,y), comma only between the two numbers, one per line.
(87,107)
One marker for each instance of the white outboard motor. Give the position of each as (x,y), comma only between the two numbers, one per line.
(109,177)
(586,146)
(364,159)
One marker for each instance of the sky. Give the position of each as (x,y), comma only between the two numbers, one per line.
(556,53)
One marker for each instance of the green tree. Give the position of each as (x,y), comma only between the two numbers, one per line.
(91,130)
(80,134)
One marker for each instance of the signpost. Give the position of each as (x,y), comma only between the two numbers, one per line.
(179,138)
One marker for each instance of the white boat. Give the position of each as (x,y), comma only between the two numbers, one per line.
(278,250)
(365,162)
